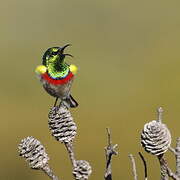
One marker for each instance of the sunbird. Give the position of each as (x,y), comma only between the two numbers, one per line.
(57,76)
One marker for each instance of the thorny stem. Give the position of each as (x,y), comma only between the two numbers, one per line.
(47,170)
(145,165)
(133,166)
(109,151)
(159,114)
(69,147)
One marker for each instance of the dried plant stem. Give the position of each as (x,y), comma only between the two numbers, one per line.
(69,147)
(159,114)
(109,151)
(133,166)
(176,152)
(165,170)
(172,150)
(178,157)
(48,171)
(164,175)
(145,165)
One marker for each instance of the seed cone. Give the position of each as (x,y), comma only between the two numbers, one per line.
(34,152)
(155,138)
(82,170)
(61,124)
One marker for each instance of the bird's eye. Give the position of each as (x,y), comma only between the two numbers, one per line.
(54,53)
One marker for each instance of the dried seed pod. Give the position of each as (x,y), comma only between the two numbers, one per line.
(34,152)
(61,124)
(155,138)
(82,170)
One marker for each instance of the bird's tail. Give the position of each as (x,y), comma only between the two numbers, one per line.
(70,102)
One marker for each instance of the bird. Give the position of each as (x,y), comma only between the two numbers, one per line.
(57,76)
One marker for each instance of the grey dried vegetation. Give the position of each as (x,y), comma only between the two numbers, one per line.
(61,124)
(155,139)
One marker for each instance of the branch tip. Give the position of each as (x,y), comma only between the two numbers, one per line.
(159,114)
(109,151)
(109,136)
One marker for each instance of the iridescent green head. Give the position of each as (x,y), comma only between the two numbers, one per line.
(54,55)
(53,59)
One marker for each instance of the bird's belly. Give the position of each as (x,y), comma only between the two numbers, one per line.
(61,91)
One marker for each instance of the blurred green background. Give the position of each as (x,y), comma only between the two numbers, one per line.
(128,57)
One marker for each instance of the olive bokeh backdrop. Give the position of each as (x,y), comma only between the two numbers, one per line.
(129,64)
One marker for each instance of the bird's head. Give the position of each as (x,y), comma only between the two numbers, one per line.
(55,55)
(53,63)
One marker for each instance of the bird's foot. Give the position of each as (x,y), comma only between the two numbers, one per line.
(55,103)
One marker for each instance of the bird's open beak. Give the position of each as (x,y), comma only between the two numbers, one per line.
(61,50)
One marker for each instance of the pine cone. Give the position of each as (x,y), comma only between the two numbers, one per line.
(155,138)
(82,170)
(61,124)
(34,152)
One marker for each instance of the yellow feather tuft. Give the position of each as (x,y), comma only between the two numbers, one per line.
(73,68)
(41,69)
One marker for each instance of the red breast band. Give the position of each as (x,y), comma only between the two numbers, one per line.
(46,77)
